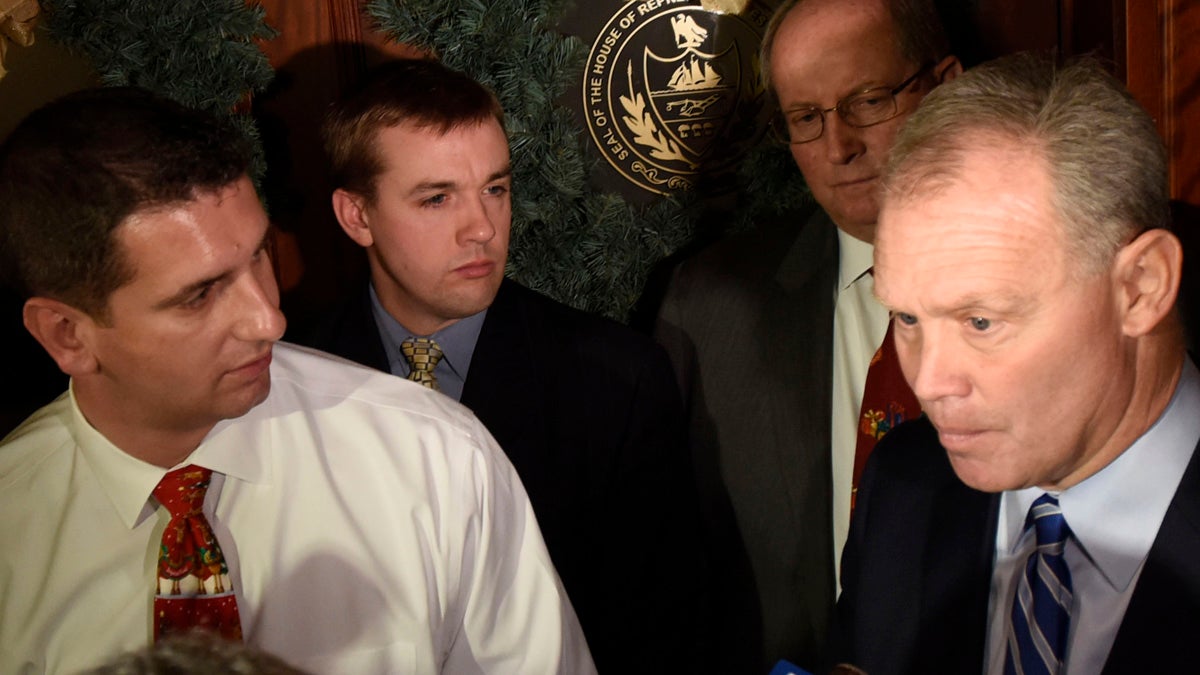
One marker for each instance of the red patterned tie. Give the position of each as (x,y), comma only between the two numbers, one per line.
(887,401)
(193,580)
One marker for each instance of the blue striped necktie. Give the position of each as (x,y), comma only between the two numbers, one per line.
(1041,610)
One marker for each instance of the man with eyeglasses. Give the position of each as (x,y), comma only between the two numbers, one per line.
(772,332)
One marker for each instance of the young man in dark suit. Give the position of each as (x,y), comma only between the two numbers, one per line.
(585,408)
(1044,515)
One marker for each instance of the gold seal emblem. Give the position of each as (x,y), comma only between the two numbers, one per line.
(672,95)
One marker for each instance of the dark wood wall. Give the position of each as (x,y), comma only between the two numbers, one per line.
(322,48)
(323,45)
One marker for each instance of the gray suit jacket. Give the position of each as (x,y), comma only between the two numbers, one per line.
(748,324)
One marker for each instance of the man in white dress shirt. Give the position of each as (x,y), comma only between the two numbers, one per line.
(368,524)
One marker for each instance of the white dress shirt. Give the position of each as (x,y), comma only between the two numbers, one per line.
(370,525)
(1114,516)
(859,324)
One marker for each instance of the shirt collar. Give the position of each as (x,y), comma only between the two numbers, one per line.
(242,447)
(125,479)
(1115,514)
(855,257)
(239,448)
(457,340)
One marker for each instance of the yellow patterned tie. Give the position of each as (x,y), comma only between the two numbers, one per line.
(423,355)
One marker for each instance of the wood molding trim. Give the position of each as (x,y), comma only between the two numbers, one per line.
(1181,35)
(346,26)
(1165,77)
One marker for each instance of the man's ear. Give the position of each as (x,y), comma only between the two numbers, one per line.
(62,331)
(1147,273)
(351,211)
(947,69)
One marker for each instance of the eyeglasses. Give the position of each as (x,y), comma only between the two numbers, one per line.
(863,109)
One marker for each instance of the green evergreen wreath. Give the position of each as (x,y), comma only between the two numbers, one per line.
(587,248)
(198,52)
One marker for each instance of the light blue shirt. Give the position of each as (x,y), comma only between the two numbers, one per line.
(1114,516)
(456,340)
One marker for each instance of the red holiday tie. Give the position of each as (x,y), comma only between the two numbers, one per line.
(887,401)
(194,590)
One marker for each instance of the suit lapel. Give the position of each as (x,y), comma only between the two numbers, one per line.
(502,383)
(1161,625)
(956,578)
(811,264)
(356,335)
(800,319)
(918,563)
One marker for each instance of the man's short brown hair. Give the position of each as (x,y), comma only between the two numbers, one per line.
(420,92)
(78,167)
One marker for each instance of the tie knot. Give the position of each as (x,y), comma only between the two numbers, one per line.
(1048,522)
(422,355)
(181,492)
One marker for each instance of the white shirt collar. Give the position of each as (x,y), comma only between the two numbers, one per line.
(855,257)
(240,450)
(125,480)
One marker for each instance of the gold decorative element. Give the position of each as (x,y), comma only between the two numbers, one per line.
(17,19)
(724,6)
(680,183)
(650,173)
(645,131)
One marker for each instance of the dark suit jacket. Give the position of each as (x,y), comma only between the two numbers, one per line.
(749,326)
(587,411)
(917,570)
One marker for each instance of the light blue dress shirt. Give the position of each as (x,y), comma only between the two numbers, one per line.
(1114,516)
(456,340)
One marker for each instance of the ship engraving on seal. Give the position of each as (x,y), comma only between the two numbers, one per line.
(672,95)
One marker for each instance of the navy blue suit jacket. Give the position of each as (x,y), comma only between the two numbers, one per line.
(917,570)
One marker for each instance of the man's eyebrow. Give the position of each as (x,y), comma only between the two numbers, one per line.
(191,289)
(1003,301)
(432,186)
(440,185)
(867,85)
(183,294)
(998,303)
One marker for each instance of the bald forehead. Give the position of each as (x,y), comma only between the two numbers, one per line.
(817,32)
(843,7)
(925,166)
(833,16)
(989,174)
